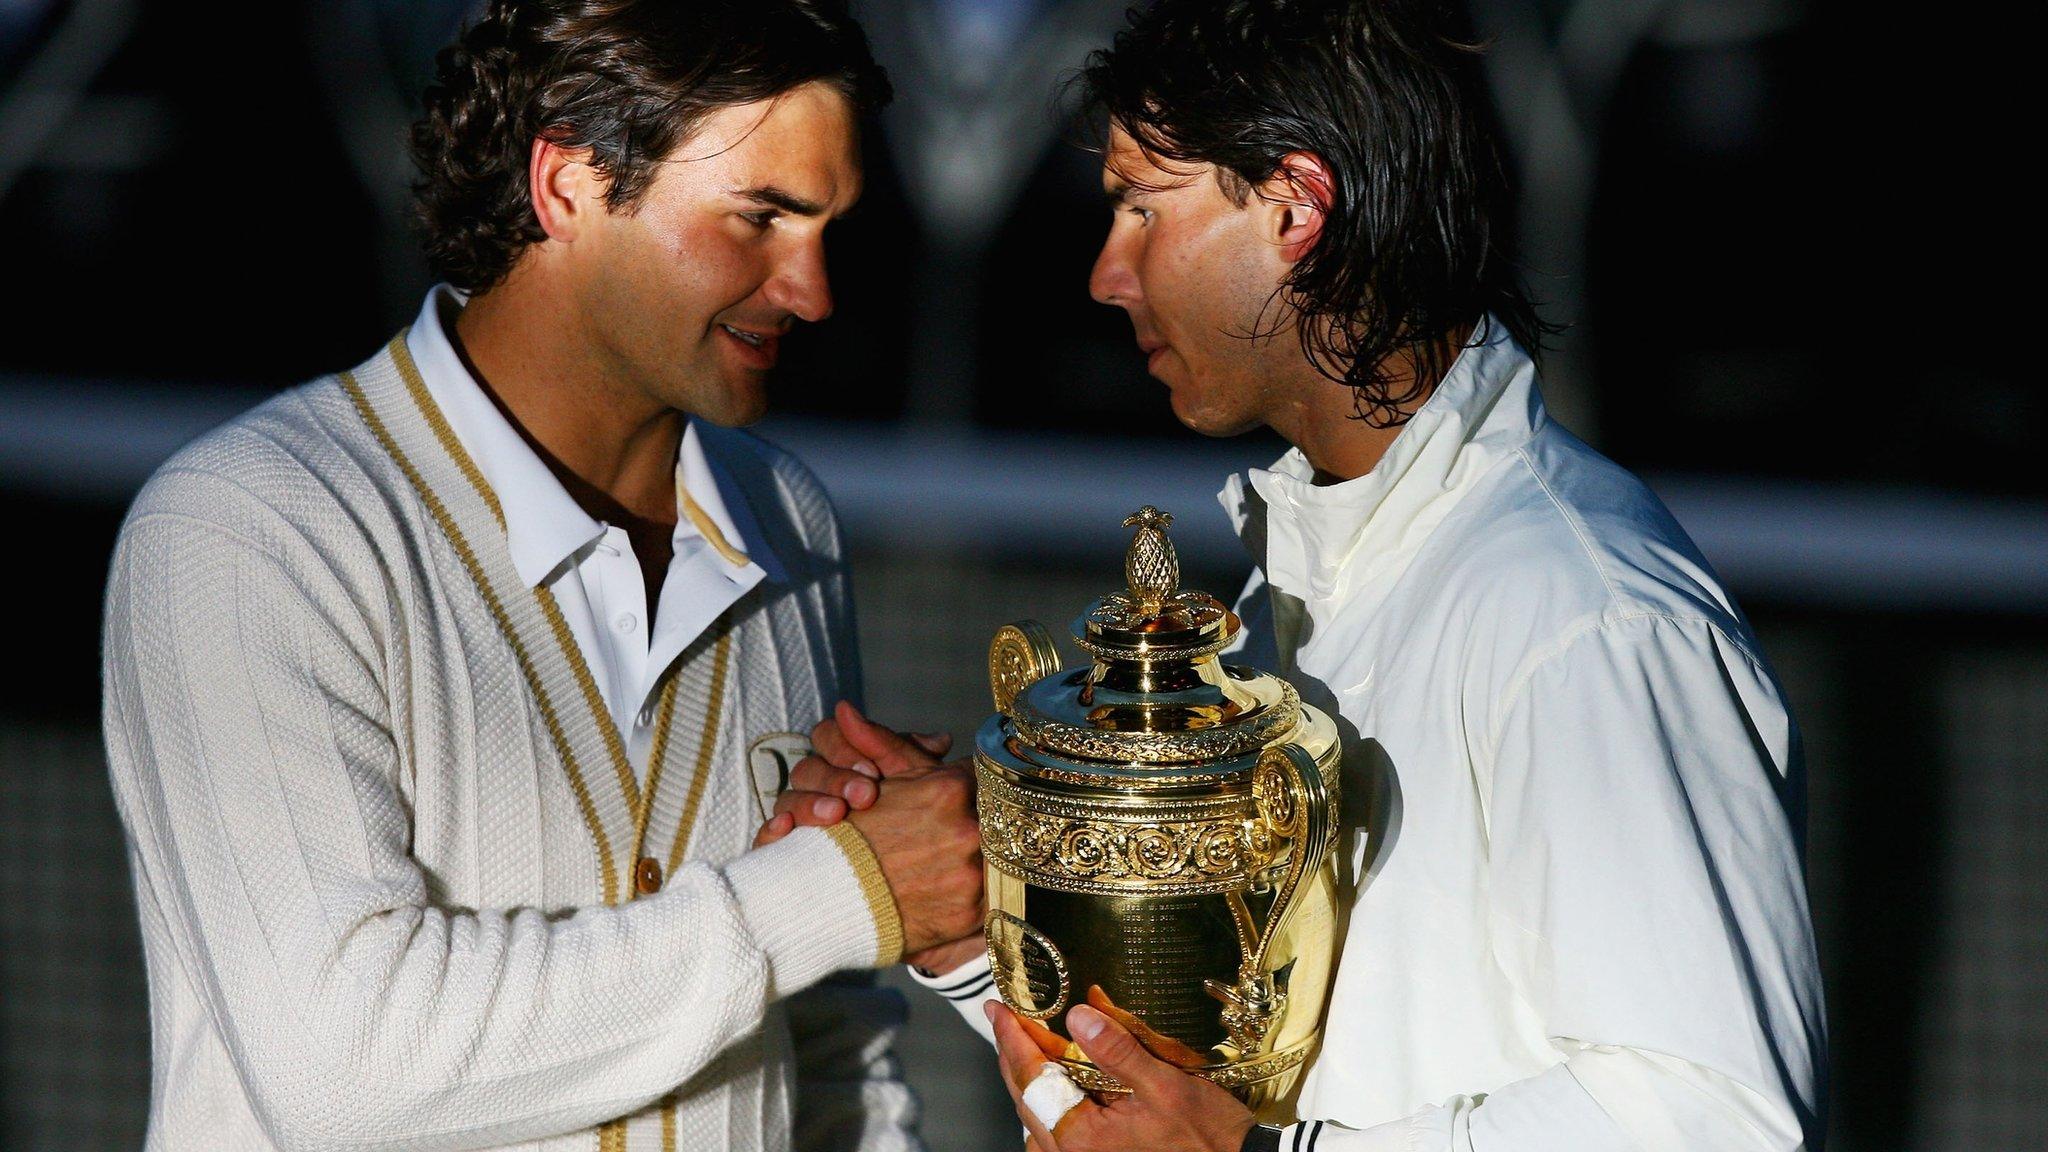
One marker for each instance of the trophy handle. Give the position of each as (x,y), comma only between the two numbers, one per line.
(1293,802)
(1007,937)
(1020,655)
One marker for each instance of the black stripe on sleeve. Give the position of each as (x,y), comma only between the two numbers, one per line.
(948,989)
(987,982)
(1298,1130)
(1315,1136)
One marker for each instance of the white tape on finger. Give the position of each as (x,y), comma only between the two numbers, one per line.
(1051,1095)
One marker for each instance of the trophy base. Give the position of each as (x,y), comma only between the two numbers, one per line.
(1265,1083)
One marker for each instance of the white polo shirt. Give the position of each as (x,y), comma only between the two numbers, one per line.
(589,565)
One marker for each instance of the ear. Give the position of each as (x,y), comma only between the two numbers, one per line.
(562,187)
(1299,196)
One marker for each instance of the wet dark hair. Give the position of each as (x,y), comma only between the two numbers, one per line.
(627,79)
(1389,94)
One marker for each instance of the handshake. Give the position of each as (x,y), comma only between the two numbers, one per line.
(917,815)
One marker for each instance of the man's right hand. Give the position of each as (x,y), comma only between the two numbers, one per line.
(851,756)
(856,761)
(859,761)
(923,831)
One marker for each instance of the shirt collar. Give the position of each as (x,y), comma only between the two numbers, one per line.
(1322,542)
(730,501)
(544,526)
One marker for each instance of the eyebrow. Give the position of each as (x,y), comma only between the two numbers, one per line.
(1116,193)
(789,202)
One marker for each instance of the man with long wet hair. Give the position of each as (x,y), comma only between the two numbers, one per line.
(1575,909)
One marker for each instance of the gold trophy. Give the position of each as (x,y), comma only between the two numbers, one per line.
(1157,829)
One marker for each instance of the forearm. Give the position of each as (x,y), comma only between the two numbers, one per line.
(417,1027)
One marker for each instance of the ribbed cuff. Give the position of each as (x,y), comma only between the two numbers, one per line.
(875,886)
(804,902)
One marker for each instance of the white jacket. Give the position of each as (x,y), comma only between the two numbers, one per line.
(1571,852)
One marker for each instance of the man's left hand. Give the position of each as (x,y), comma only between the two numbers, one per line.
(1167,1109)
(853,758)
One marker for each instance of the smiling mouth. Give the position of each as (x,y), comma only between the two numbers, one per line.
(750,339)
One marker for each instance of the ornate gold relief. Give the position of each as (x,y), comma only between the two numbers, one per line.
(1171,847)
(1295,806)
(1020,655)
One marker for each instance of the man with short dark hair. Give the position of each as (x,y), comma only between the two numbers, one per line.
(431,687)
(1576,911)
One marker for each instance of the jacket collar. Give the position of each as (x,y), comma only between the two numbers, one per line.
(1323,543)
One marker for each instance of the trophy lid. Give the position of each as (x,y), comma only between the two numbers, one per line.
(1153,619)
(1156,703)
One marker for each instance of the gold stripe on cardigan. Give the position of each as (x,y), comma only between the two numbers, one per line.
(607,728)
(612,1136)
(655,756)
(556,734)
(708,528)
(721,662)
(713,713)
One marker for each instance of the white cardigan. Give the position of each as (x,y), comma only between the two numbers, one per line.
(384,836)
(1576,911)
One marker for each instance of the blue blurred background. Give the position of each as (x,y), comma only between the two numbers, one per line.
(1784,233)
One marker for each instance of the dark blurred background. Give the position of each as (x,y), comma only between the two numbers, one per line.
(1783,233)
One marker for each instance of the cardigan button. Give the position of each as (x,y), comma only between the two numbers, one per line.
(647,876)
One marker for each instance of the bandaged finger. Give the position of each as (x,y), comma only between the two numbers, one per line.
(1051,1095)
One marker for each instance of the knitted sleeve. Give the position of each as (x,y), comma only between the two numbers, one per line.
(257,770)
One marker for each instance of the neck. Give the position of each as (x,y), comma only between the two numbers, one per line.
(1320,416)
(556,385)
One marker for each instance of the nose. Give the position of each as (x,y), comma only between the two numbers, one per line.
(800,286)
(1114,280)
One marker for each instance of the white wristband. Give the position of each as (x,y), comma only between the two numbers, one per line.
(1051,1095)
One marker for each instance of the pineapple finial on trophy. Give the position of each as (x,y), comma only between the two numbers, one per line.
(1150,567)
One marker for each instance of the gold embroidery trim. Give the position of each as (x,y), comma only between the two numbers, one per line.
(655,757)
(721,661)
(592,698)
(874,886)
(416,385)
(611,1135)
(708,528)
(549,717)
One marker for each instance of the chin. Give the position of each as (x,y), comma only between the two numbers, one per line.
(738,404)
(1210,421)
